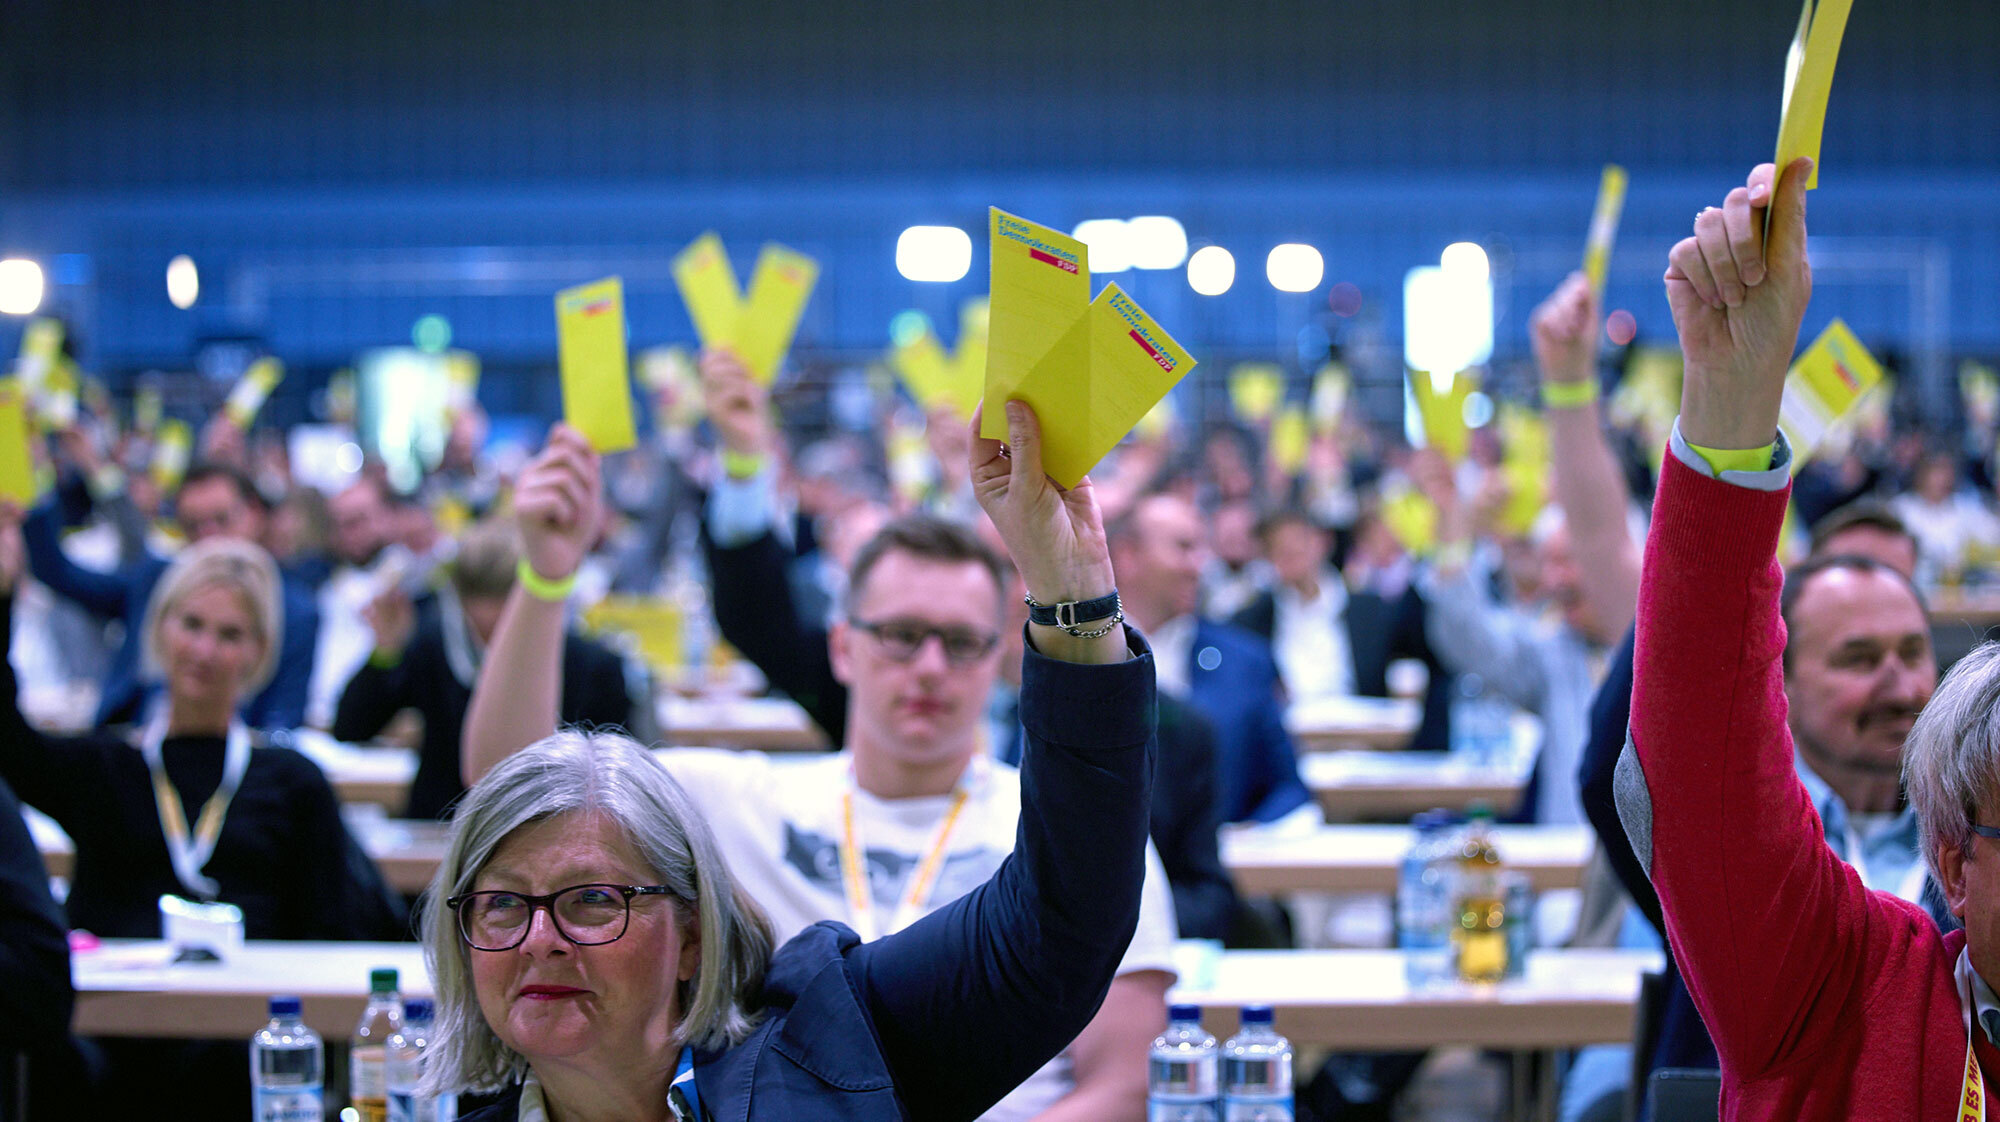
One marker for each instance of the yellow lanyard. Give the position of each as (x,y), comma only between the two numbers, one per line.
(1972,1101)
(923,879)
(189,854)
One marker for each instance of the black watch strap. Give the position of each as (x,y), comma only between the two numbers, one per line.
(1072,613)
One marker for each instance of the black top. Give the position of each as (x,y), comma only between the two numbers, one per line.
(593,694)
(283,856)
(35,993)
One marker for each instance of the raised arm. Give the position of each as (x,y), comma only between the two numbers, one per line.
(1589,484)
(1033,950)
(101,594)
(518,697)
(1709,789)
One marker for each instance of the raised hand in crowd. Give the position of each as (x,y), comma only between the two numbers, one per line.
(738,406)
(1563,332)
(556,503)
(13,553)
(1738,299)
(222,442)
(1055,536)
(393,619)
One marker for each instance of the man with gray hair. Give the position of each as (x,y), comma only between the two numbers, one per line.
(1826,999)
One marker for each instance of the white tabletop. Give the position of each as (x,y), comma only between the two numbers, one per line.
(128,988)
(1359,1000)
(1397,785)
(771,724)
(1327,723)
(1350,858)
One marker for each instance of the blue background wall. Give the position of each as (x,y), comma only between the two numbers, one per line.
(338,169)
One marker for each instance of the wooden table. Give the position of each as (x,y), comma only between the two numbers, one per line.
(1351,1000)
(1357,1000)
(1351,858)
(1352,722)
(1360,785)
(1979,610)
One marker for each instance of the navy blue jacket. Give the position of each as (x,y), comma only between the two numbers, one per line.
(123,595)
(1233,681)
(941,1019)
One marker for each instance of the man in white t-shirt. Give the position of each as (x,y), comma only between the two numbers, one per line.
(912,816)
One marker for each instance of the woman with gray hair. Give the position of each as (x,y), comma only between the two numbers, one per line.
(593,957)
(191,803)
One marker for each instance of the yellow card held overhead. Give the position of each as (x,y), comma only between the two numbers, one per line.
(596,387)
(1604,227)
(172,447)
(1823,387)
(1443,410)
(252,390)
(1809,81)
(17,462)
(1290,434)
(759,327)
(1255,389)
(1036,313)
(41,345)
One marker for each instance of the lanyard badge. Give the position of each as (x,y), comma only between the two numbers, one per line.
(189,852)
(922,880)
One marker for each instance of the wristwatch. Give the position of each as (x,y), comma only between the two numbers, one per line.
(1070,616)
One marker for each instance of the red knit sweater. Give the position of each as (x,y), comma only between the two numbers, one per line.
(1825,1000)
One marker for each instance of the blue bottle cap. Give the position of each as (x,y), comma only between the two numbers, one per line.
(285,1007)
(417,1009)
(1256,1014)
(1184,1012)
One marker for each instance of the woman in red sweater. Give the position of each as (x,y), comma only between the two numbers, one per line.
(1826,1000)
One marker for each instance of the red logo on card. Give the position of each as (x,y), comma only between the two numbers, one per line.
(1052,259)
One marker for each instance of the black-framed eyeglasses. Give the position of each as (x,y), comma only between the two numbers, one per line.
(1986,831)
(587,915)
(902,639)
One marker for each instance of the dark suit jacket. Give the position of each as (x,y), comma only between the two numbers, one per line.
(123,596)
(593,693)
(1233,681)
(1379,631)
(754,610)
(866,1031)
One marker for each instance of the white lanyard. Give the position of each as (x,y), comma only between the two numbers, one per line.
(922,879)
(1972,1101)
(189,852)
(459,652)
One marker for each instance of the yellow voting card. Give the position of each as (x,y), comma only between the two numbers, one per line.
(1329,396)
(1604,227)
(758,327)
(252,390)
(172,447)
(1411,519)
(1290,434)
(596,388)
(54,402)
(1255,390)
(708,287)
(1809,81)
(779,289)
(1159,421)
(1037,304)
(41,346)
(925,369)
(1823,387)
(1443,410)
(968,360)
(1524,465)
(17,462)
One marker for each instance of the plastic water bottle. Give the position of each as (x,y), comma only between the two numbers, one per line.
(1480,727)
(406,1069)
(287,1068)
(1180,1083)
(1257,1071)
(368,1071)
(1424,901)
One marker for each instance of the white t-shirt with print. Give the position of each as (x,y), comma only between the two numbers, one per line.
(778,823)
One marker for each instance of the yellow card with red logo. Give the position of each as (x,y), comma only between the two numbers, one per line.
(1823,387)
(17,461)
(1091,369)
(596,383)
(758,327)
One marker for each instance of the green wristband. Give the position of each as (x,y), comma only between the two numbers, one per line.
(541,587)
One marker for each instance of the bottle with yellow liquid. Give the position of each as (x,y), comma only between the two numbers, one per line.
(1479,938)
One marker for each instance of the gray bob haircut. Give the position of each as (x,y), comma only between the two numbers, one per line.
(238,565)
(1951,759)
(577,770)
